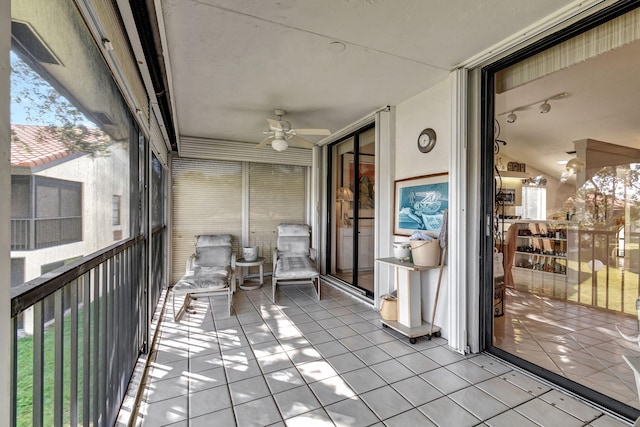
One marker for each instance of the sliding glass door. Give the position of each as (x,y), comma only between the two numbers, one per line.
(352,189)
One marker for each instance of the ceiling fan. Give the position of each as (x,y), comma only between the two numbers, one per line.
(280,134)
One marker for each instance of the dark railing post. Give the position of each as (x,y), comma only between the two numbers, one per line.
(86,349)
(38,364)
(73,356)
(58,370)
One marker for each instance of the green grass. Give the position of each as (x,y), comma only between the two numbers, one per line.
(611,285)
(24,395)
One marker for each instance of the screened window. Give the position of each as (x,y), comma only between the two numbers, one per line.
(56,217)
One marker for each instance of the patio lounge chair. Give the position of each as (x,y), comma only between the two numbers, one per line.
(210,271)
(293,258)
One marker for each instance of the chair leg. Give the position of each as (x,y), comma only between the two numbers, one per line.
(178,314)
(273,286)
(173,301)
(318,282)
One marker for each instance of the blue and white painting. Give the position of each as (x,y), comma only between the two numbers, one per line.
(421,207)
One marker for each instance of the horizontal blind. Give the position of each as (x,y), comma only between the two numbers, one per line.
(207,199)
(610,35)
(276,195)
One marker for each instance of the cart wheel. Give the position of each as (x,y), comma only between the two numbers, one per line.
(412,340)
(384,325)
(428,337)
(437,334)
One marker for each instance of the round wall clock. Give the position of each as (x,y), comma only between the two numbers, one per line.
(426,140)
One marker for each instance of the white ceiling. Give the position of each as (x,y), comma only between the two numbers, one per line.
(603,103)
(233,62)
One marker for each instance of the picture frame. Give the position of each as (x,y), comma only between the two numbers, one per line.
(419,203)
(366,182)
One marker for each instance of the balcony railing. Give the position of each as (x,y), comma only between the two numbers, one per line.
(36,233)
(75,369)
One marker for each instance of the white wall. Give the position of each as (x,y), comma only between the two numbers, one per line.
(428,109)
(101,177)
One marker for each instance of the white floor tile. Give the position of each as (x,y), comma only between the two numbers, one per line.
(304,363)
(416,390)
(445,412)
(332,390)
(409,419)
(296,401)
(209,400)
(257,413)
(392,371)
(316,418)
(543,413)
(284,380)
(249,389)
(385,402)
(351,412)
(478,403)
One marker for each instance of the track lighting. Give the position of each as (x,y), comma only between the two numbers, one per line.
(545,107)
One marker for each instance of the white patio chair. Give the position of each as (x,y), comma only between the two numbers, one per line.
(294,259)
(210,271)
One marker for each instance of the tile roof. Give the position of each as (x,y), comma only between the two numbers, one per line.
(33,146)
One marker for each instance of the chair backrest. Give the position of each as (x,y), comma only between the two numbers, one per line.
(293,240)
(213,250)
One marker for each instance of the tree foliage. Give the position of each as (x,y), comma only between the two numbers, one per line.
(57,118)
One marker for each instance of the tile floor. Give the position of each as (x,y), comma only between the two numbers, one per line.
(305,363)
(578,342)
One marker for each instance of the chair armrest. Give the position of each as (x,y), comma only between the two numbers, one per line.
(190,261)
(274,259)
(233,272)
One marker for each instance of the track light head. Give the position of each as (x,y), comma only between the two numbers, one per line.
(512,117)
(545,107)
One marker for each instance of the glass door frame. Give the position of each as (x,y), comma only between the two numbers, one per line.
(331,220)
(487,185)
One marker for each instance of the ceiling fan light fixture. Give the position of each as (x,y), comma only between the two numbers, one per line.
(279,144)
(512,117)
(545,107)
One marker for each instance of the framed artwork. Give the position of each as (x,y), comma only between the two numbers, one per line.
(365,182)
(420,203)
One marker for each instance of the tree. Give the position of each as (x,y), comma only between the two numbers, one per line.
(55,115)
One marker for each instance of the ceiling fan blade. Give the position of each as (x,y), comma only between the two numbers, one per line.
(301,141)
(264,142)
(275,124)
(312,131)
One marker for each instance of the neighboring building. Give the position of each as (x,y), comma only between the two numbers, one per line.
(57,216)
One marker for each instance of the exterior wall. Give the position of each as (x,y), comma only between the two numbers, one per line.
(93,172)
(431,108)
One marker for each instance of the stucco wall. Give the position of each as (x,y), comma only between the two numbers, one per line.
(428,109)
(101,177)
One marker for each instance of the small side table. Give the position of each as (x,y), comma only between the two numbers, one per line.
(243,267)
